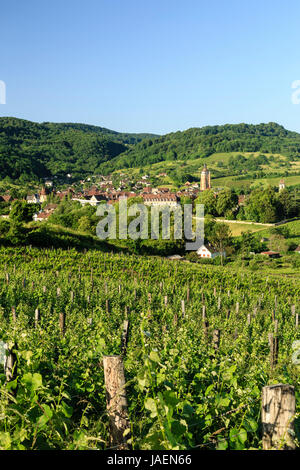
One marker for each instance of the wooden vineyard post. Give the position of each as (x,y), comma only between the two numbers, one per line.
(183,308)
(278,410)
(36,317)
(205,322)
(273,343)
(14,315)
(10,365)
(62,323)
(166,300)
(72,296)
(297,320)
(293,309)
(125,337)
(188,294)
(273,315)
(116,401)
(216,339)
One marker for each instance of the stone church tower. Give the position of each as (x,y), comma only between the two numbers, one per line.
(205,179)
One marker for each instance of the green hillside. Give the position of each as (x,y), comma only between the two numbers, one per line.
(30,150)
(202,142)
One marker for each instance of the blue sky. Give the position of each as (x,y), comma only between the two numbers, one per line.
(151,66)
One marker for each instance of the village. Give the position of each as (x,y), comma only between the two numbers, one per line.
(106,189)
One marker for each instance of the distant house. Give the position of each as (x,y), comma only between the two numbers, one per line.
(241,199)
(281,185)
(50,208)
(41,216)
(96,199)
(270,254)
(208,251)
(169,199)
(44,194)
(33,199)
(6,198)
(297,250)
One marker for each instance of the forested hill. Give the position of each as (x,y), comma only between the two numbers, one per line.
(202,142)
(29,150)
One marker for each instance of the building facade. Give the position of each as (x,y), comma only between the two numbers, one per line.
(205,179)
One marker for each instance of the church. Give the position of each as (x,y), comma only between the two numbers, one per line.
(205,179)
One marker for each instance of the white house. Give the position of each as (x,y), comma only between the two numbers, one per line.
(208,251)
(33,199)
(169,199)
(281,185)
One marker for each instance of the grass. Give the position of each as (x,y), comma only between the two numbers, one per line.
(239,227)
(194,167)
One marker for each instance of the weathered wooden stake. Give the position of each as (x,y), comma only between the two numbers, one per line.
(62,323)
(216,339)
(205,322)
(293,309)
(273,343)
(116,401)
(14,315)
(125,337)
(278,410)
(183,308)
(10,365)
(36,317)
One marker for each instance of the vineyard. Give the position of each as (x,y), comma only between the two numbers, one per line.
(197,344)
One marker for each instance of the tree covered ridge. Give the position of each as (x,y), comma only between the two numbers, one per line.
(202,142)
(31,150)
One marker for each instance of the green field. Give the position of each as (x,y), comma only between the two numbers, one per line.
(194,167)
